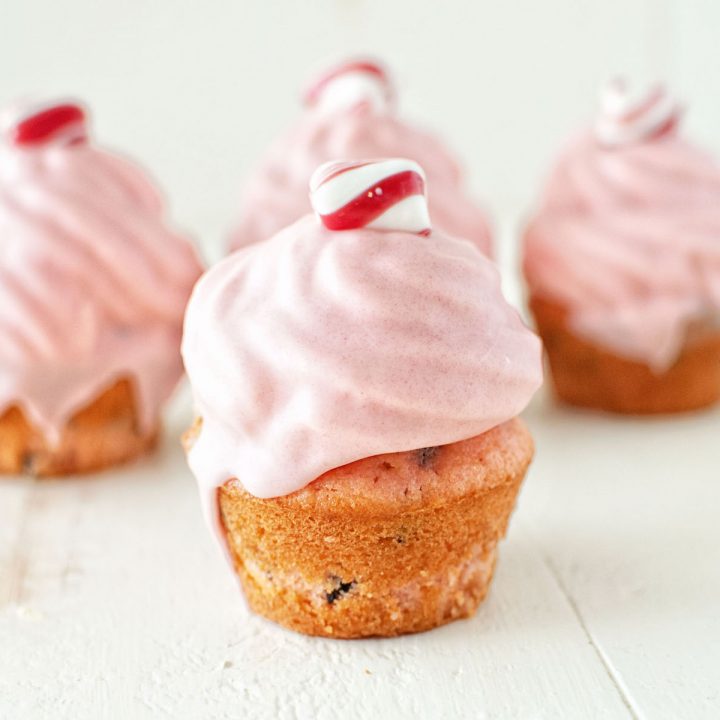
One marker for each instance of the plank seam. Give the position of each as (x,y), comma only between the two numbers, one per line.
(18,561)
(622,689)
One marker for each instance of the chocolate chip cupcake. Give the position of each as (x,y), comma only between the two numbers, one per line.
(622,260)
(357,380)
(93,286)
(350,111)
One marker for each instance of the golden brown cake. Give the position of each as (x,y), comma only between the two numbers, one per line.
(588,375)
(391,544)
(104,433)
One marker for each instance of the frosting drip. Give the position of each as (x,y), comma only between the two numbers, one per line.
(628,240)
(92,283)
(318,348)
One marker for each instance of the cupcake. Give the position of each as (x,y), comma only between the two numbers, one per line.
(93,287)
(622,261)
(350,113)
(357,379)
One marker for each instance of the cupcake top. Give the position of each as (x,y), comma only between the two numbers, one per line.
(93,284)
(627,235)
(351,333)
(350,113)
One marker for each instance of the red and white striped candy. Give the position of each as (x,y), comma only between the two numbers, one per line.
(353,83)
(627,118)
(58,123)
(382,194)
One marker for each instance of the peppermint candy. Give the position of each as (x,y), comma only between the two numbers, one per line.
(386,194)
(627,118)
(58,123)
(351,84)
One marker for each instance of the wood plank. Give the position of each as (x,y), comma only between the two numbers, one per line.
(14,497)
(626,514)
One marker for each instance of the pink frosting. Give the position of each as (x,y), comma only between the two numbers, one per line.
(277,195)
(92,283)
(628,240)
(318,348)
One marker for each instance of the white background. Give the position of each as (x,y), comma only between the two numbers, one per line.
(195,89)
(114,604)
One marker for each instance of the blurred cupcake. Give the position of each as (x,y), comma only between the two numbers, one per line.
(357,379)
(350,113)
(93,287)
(622,261)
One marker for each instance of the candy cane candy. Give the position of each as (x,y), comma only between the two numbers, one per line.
(381,194)
(37,125)
(625,119)
(350,84)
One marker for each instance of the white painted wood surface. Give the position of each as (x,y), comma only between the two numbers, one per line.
(114,603)
(606,602)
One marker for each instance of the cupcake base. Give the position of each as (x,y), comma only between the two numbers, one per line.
(590,376)
(391,544)
(103,434)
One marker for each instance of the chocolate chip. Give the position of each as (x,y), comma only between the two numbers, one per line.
(341,588)
(28,463)
(425,457)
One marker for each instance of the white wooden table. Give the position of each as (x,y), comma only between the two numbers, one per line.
(606,603)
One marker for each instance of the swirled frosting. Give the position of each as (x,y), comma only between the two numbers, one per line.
(627,239)
(93,284)
(318,348)
(276,193)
